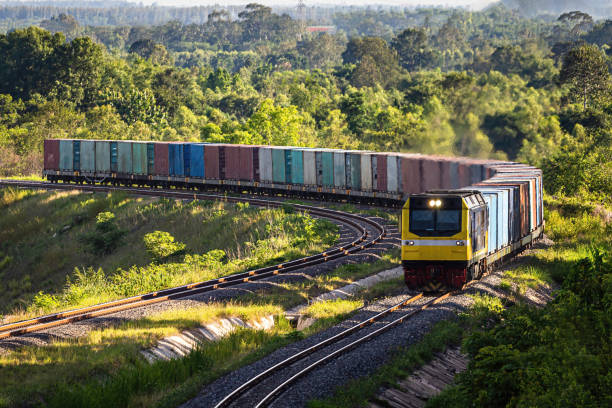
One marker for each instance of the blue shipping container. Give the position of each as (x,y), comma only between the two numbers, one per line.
(196,160)
(177,159)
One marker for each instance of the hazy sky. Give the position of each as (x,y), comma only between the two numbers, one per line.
(472,4)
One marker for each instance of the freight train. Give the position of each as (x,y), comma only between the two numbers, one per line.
(483,210)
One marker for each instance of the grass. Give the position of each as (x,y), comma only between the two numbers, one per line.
(41,246)
(104,368)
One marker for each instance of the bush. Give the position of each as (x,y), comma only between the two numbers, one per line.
(106,237)
(161,245)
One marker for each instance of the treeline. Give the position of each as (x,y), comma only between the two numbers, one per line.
(543,99)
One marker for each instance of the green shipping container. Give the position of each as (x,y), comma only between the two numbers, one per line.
(139,158)
(297,166)
(66,155)
(124,157)
(278,165)
(339,170)
(150,158)
(102,156)
(327,169)
(88,156)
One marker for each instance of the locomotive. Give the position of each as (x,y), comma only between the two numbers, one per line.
(451,237)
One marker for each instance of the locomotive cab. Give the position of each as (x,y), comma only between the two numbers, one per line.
(444,239)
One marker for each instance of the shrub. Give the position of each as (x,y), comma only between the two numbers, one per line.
(161,245)
(106,236)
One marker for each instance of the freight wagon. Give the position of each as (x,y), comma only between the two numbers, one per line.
(371,177)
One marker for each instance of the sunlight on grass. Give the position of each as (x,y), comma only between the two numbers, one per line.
(332,308)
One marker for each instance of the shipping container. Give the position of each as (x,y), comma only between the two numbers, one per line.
(339,169)
(87,156)
(211,161)
(411,173)
(463,168)
(393,173)
(249,163)
(265,164)
(501,215)
(103,156)
(430,174)
(310,167)
(232,162)
(453,169)
(288,166)
(366,171)
(196,161)
(279,168)
(52,154)
(324,159)
(139,158)
(124,157)
(524,210)
(381,172)
(162,163)
(353,174)
(76,155)
(491,200)
(150,158)
(297,166)
(114,156)
(176,156)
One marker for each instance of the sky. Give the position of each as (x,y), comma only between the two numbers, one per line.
(472,4)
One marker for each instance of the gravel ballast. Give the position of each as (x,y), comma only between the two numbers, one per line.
(365,359)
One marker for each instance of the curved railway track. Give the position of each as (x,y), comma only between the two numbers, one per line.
(248,393)
(358,223)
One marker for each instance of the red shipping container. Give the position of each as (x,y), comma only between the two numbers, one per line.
(232,162)
(52,154)
(161,159)
(211,162)
(247,170)
(381,172)
(411,174)
(430,173)
(446,178)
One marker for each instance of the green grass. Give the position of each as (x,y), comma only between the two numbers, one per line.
(104,368)
(41,245)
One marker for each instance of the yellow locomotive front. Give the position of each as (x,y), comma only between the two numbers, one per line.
(444,239)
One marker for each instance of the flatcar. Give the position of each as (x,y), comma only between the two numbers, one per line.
(330,174)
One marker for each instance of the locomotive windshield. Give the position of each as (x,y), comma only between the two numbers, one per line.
(439,219)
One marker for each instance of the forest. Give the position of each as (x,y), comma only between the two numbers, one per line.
(488,84)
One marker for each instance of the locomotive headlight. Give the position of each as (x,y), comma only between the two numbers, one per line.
(438,203)
(432,203)
(460,243)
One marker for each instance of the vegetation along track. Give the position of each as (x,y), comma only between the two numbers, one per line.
(355,222)
(273,383)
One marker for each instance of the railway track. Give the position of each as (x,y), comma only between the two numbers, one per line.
(257,391)
(358,223)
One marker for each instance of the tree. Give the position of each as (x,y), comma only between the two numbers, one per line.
(411,46)
(149,49)
(580,22)
(277,125)
(161,245)
(376,62)
(586,72)
(321,50)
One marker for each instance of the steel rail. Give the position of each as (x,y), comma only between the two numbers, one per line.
(271,396)
(74,315)
(234,395)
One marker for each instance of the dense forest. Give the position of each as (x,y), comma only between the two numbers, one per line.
(489,84)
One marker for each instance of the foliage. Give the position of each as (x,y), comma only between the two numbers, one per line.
(160,245)
(585,69)
(106,237)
